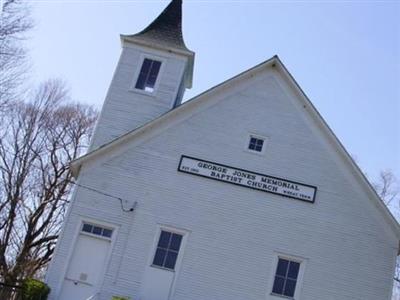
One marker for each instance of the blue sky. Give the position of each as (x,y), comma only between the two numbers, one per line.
(345,55)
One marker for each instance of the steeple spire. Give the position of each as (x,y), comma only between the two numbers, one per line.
(165,34)
(166,29)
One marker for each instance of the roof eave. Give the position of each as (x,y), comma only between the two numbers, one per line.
(343,150)
(76,164)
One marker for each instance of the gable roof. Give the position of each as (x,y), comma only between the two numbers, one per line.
(202,98)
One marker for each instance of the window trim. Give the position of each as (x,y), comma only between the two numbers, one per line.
(167,250)
(94,224)
(171,229)
(257,136)
(144,56)
(299,281)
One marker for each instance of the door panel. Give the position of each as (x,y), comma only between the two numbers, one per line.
(85,268)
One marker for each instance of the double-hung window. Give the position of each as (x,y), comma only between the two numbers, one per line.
(167,250)
(148,75)
(286,275)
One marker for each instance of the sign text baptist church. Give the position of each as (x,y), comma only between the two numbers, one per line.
(247,179)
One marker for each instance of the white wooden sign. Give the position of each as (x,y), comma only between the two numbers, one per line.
(247,179)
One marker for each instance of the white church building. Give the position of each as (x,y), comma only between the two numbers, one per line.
(241,193)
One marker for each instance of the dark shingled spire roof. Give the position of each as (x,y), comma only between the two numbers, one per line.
(166,29)
(165,33)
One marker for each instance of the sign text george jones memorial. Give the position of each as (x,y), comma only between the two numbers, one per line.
(247,179)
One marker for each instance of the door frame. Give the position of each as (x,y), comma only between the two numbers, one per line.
(78,227)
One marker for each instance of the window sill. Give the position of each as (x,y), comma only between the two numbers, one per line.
(162,268)
(100,237)
(143,92)
(259,153)
(282,296)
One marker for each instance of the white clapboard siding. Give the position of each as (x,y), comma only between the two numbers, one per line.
(125,108)
(235,232)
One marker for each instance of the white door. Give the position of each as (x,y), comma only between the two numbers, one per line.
(85,268)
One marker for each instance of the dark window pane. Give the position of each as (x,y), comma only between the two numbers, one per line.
(155,68)
(256,144)
(164,239)
(140,82)
(146,66)
(171,260)
(97,230)
(290,287)
(144,71)
(159,257)
(293,269)
(107,232)
(278,285)
(156,65)
(175,242)
(87,228)
(282,267)
(148,74)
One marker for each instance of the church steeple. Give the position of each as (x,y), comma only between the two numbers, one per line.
(166,32)
(166,28)
(152,74)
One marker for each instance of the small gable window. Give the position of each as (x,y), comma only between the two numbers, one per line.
(256,144)
(287,272)
(167,251)
(148,75)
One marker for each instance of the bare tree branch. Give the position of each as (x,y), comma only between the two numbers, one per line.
(388,189)
(39,139)
(14,24)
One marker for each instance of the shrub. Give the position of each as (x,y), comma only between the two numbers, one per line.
(33,289)
(120,298)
